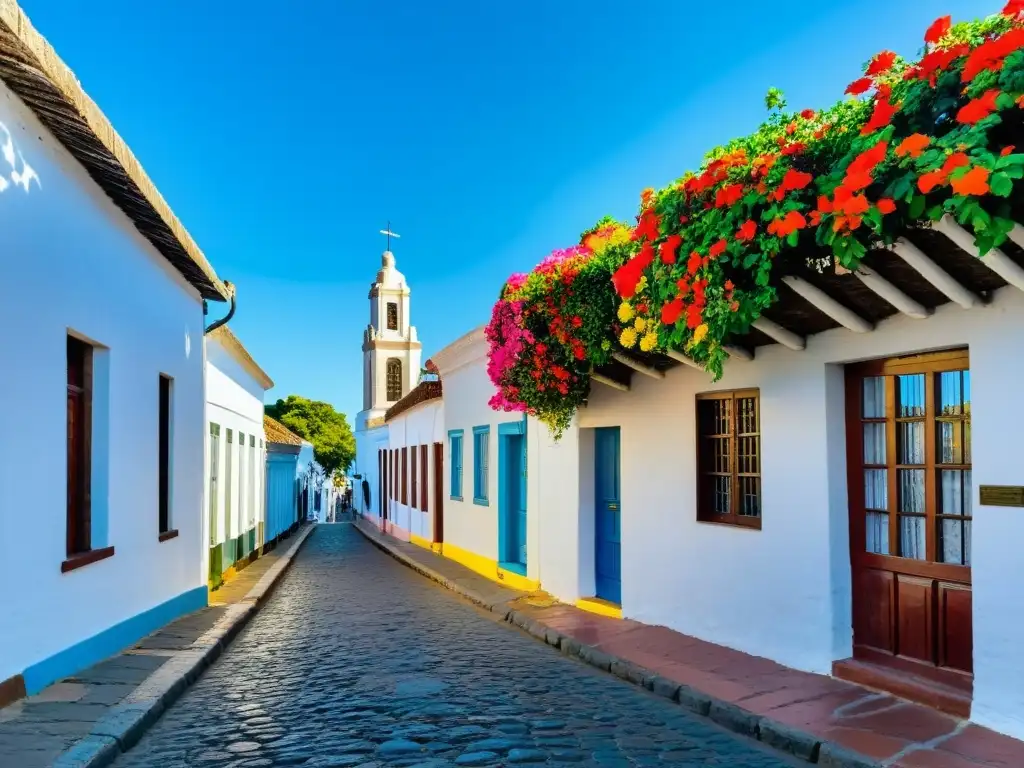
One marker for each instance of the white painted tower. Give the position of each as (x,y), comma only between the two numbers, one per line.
(391,352)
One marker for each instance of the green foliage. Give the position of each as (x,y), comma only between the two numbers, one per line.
(334,445)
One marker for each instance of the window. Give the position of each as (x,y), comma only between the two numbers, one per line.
(252,480)
(404,469)
(164,508)
(915,430)
(423,478)
(729,458)
(455,449)
(79,469)
(214,478)
(481,438)
(241,483)
(394,376)
(228,490)
(392,316)
(413,499)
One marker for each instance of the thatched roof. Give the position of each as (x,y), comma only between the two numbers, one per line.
(32,69)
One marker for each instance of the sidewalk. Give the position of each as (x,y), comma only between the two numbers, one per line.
(85,721)
(818,718)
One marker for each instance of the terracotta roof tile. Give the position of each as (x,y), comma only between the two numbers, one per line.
(279,433)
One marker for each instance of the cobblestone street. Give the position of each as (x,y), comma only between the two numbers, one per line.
(358,661)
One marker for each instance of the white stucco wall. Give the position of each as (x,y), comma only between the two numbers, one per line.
(422,424)
(785,590)
(368,443)
(234,400)
(71,261)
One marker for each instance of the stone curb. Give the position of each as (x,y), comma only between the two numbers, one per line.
(121,728)
(778,736)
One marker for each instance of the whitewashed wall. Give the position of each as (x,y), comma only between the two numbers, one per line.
(70,260)
(422,424)
(788,592)
(368,443)
(234,400)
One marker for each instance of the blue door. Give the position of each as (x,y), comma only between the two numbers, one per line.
(607,527)
(515,503)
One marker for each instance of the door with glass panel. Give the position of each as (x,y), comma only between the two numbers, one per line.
(909,456)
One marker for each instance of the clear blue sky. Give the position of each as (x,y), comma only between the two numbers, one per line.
(285,135)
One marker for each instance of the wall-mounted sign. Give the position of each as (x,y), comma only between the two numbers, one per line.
(1001,495)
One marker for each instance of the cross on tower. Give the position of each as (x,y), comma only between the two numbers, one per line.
(389,234)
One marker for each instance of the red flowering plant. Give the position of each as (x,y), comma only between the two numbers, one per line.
(913,142)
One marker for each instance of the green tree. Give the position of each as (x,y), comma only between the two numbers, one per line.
(334,445)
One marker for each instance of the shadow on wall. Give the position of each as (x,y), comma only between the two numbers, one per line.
(21,174)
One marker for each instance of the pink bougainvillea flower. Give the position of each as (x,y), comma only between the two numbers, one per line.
(746,232)
(913,145)
(880,118)
(859,86)
(978,109)
(938,29)
(974,182)
(881,63)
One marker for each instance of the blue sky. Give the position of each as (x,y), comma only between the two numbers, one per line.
(285,135)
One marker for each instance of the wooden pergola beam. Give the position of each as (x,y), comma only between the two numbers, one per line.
(995,259)
(775,331)
(934,274)
(825,303)
(609,382)
(637,366)
(892,294)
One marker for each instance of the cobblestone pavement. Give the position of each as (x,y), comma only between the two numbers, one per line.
(358,661)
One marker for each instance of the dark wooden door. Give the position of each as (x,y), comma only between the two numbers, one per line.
(910,491)
(381,482)
(438,493)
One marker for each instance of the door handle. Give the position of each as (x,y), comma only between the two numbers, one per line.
(613,507)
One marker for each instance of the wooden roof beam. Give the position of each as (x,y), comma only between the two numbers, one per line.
(892,294)
(995,259)
(679,357)
(825,303)
(1017,235)
(934,274)
(637,366)
(738,352)
(609,382)
(775,331)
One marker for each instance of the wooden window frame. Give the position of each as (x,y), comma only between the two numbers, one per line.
(928,364)
(424,479)
(393,394)
(414,476)
(733,518)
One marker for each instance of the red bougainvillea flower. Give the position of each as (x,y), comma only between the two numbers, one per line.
(667,250)
(746,232)
(880,118)
(671,312)
(788,224)
(693,263)
(795,179)
(1008,149)
(936,61)
(693,316)
(796,148)
(938,29)
(989,55)
(728,195)
(647,227)
(913,145)
(866,161)
(886,205)
(791,129)
(859,86)
(808,114)
(881,63)
(1014,8)
(718,248)
(978,109)
(974,182)
(929,181)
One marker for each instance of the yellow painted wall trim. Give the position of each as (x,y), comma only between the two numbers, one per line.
(487,567)
(419,541)
(437,548)
(600,607)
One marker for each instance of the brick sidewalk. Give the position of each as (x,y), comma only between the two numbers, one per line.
(829,718)
(89,713)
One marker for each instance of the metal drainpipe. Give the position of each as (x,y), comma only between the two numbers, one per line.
(231,312)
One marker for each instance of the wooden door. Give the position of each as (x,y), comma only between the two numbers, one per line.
(381,482)
(607,516)
(513,506)
(438,493)
(910,491)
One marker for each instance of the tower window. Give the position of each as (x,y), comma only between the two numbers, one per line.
(394,372)
(392,316)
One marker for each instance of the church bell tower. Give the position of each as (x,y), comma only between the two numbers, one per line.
(391,352)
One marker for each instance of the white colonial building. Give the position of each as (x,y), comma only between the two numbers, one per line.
(235,499)
(102,534)
(391,368)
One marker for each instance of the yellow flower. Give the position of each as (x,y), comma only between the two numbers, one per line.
(619,236)
(699,333)
(625,312)
(640,324)
(628,338)
(649,341)
(642,285)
